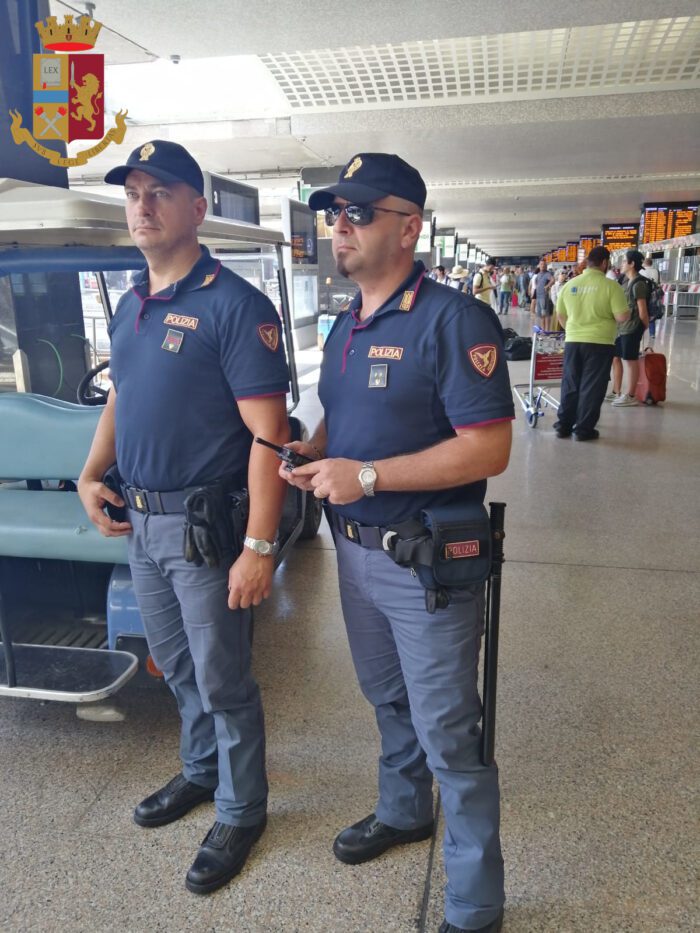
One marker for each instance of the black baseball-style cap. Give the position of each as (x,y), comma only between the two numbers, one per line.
(169,162)
(370,176)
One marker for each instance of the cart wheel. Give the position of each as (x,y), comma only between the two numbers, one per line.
(532,419)
(649,401)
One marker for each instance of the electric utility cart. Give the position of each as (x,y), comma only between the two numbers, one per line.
(70,629)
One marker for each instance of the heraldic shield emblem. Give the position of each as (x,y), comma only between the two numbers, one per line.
(68,99)
(270,336)
(483,358)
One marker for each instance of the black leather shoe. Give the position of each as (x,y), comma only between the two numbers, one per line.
(171,802)
(494,927)
(590,436)
(561,430)
(369,838)
(222,855)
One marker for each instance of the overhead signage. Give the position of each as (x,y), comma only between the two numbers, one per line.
(620,236)
(560,254)
(571,250)
(586,243)
(665,221)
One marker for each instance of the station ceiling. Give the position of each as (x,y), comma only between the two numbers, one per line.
(531,123)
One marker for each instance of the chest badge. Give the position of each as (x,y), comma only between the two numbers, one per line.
(483,358)
(270,336)
(173,341)
(378,375)
(181,320)
(385,353)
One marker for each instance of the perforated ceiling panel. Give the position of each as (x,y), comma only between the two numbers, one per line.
(611,58)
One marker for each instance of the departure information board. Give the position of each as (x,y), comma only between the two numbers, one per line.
(587,242)
(665,221)
(620,236)
(571,250)
(560,254)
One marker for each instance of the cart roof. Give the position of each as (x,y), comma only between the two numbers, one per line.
(42,215)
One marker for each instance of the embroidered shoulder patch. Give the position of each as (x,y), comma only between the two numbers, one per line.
(483,358)
(270,336)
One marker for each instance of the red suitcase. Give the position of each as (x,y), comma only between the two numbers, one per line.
(651,387)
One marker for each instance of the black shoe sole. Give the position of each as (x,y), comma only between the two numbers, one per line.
(357,858)
(231,873)
(152,822)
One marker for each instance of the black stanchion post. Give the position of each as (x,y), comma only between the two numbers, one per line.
(10,674)
(493,613)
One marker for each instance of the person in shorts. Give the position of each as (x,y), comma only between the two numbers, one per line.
(630,332)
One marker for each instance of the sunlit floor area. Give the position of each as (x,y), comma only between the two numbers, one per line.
(595,735)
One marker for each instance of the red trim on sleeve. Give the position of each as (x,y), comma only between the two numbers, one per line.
(244,398)
(482,424)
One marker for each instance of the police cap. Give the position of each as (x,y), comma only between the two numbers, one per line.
(370,176)
(169,162)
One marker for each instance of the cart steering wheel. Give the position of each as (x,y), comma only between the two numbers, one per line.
(89,394)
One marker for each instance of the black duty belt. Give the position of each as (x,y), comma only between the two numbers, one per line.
(373,537)
(154,503)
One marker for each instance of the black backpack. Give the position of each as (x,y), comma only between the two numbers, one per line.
(518,348)
(655,297)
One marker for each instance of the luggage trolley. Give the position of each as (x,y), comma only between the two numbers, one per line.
(546,370)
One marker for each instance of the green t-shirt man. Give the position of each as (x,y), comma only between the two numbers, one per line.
(589,303)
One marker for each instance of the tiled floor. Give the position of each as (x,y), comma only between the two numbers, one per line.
(601,600)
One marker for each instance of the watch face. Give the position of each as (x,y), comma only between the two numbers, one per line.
(263,547)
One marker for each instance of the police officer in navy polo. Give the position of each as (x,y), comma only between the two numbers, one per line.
(198,368)
(417,413)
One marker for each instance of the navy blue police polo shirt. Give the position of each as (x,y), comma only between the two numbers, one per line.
(181,359)
(426,363)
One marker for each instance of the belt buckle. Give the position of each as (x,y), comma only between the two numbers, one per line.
(140,501)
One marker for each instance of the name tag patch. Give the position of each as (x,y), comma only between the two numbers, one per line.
(460,549)
(483,358)
(378,376)
(385,353)
(181,320)
(173,340)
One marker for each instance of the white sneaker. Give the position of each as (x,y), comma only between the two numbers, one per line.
(611,396)
(625,401)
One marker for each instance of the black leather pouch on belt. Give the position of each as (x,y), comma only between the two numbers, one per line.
(448,548)
(213,519)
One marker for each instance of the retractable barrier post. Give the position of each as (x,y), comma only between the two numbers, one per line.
(493,613)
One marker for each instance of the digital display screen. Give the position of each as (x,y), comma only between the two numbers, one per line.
(303,235)
(423,245)
(548,257)
(587,242)
(665,221)
(571,250)
(560,254)
(234,201)
(620,236)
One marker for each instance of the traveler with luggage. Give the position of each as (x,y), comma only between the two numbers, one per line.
(630,332)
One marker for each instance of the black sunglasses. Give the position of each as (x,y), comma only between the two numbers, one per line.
(359,215)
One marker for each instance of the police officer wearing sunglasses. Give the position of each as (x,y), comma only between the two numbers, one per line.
(417,410)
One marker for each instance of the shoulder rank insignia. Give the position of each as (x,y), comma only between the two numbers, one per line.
(483,358)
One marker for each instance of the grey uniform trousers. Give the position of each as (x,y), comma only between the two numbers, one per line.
(419,671)
(203,649)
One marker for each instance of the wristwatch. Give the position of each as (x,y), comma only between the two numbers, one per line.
(368,477)
(260,546)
